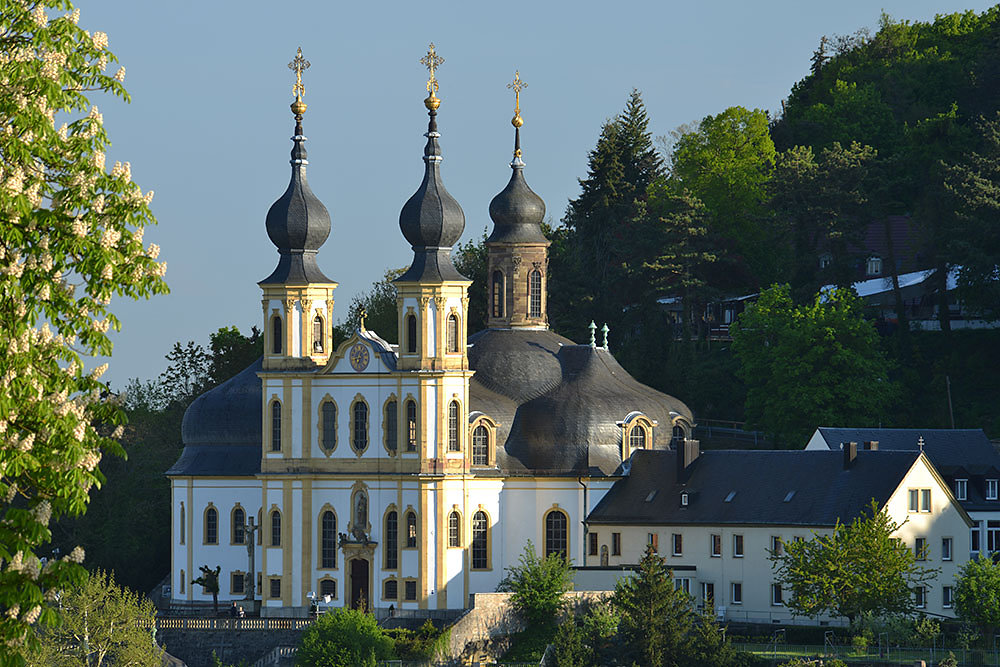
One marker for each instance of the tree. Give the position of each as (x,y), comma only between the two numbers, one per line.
(102,624)
(977,594)
(343,638)
(859,567)
(232,352)
(470,260)
(187,374)
(209,580)
(809,365)
(379,306)
(71,239)
(538,585)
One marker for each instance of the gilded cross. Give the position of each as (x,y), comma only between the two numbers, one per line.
(298,65)
(432,61)
(517,85)
(362,314)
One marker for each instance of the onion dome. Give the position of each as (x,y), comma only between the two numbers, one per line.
(517,212)
(298,223)
(431,220)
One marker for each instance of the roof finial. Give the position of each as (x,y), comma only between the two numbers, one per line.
(604,331)
(517,85)
(432,61)
(298,65)
(593,328)
(362,314)
(920,443)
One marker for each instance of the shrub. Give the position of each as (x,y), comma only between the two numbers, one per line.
(343,638)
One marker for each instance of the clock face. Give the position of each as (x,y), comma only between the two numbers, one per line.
(359,357)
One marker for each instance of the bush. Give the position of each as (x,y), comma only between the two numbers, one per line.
(343,638)
(426,643)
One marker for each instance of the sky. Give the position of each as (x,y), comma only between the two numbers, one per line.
(208,127)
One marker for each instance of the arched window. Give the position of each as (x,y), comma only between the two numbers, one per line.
(391,541)
(317,334)
(453,443)
(535,293)
(211,526)
(276,335)
(480,547)
(183,526)
(411,426)
(275,426)
(360,440)
(411,530)
(328,540)
(637,437)
(498,294)
(328,587)
(454,530)
(556,534)
(239,519)
(275,528)
(452,335)
(329,425)
(480,446)
(391,430)
(411,333)
(676,437)
(183,581)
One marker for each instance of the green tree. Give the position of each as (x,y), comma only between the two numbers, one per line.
(187,374)
(102,623)
(209,580)
(538,586)
(977,594)
(343,638)
(805,366)
(379,306)
(231,352)
(470,260)
(71,239)
(857,568)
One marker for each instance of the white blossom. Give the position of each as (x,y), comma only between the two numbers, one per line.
(100,40)
(77,555)
(80,431)
(97,159)
(120,74)
(39,16)
(98,372)
(153,252)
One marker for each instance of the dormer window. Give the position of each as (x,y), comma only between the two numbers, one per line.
(825,260)
(991,489)
(961,489)
(874,266)
(685,499)
(637,437)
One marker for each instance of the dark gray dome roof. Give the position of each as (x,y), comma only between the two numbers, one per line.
(297,224)
(520,364)
(517,212)
(229,414)
(431,220)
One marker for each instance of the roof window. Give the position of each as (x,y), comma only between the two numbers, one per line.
(650,496)
(729,498)
(789,496)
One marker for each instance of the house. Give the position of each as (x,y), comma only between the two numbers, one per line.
(716,515)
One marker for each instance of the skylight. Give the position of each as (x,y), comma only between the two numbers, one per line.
(789,496)
(650,496)
(729,498)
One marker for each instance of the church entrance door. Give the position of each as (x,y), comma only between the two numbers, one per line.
(360,597)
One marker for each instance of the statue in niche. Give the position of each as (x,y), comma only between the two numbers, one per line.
(360,518)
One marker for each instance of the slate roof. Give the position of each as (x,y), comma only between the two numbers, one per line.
(760,481)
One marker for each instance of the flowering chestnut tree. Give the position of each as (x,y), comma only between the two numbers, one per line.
(70,240)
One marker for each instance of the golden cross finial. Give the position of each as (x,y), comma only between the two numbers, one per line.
(362,314)
(432,61)
(517,85)
(298,65)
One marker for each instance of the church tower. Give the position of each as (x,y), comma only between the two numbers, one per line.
(517,251)
(298,297)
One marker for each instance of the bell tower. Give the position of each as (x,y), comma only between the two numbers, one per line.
(517,251)
(298,297)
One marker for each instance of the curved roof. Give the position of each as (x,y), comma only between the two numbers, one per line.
(230,414)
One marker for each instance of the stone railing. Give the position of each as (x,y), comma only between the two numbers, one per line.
(275,657)
(173,623)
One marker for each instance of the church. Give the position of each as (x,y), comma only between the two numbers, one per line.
(411,475)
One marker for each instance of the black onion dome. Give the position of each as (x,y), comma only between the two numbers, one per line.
(431,220)
(517,212)
(298,224)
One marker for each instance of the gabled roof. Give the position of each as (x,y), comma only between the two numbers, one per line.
(948,449)
(782,488)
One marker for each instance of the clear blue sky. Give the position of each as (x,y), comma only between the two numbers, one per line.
(209,125)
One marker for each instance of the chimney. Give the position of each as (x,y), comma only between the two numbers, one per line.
(850,454)
(687,452)
(871,446)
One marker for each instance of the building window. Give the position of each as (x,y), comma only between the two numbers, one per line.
(737,546)
(390,589)
(708,593)
(946,548)
(653,540)
(920,597)
(592,542)
(275,587)
(183,581)
(391,430)
(453,412)
(411,530)
(410,590)
(919,500)
(238,520)
(535,293)
(328,540)
(454,530)
(637,437)
(962,489)
(360,430)
(480,446)
(974,536)
(925,500)
(556,534)
(497,294)
(275,528)
(825,260)
(616,544)
(275,426)
(776,595)
(920,548)
(211,526)
(716,546)
(874,265)
(183,527)
(991,489)
(391,540)
(317,334)
(329,425)
(993,536)
(452,333)
(328,587)
(683,584)
(947,597)
(777,547)
(480,541)
(678,544)
(736,596)
(411,426)
(236,582)
(411,333)
(276,335)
